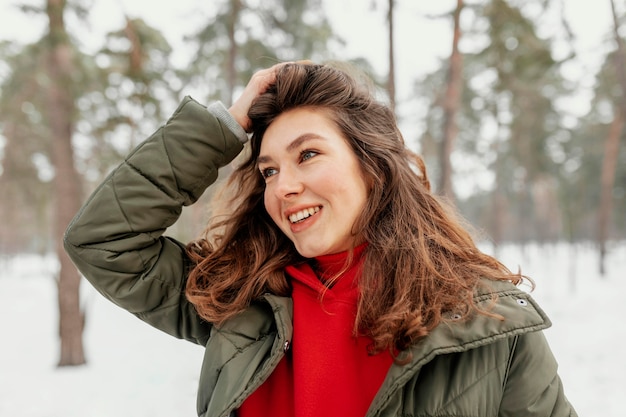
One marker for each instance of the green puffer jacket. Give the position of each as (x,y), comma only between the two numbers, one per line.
(485,367)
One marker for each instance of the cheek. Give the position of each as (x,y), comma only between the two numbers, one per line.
(271,206)
(358,195)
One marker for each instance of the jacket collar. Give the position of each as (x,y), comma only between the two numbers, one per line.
(521,315)
(520,311)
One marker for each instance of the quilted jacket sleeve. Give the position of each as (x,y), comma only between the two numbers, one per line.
(116,240)
(533,387)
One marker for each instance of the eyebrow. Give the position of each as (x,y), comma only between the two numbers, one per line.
(293,145)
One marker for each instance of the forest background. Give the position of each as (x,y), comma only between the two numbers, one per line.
(519,127)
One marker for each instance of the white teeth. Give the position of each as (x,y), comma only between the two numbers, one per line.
(303,214)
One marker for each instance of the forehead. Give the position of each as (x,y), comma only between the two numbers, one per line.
(300,125)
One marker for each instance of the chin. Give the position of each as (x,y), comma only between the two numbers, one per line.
(310,252)
(315,251)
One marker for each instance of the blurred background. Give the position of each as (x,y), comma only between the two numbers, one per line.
(517,106)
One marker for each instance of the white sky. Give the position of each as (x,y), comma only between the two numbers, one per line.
(419,41)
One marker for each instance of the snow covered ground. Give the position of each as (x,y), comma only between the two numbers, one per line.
(134,370)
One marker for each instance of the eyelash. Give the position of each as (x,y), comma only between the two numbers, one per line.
(264,172)
(306,152)
(305,155)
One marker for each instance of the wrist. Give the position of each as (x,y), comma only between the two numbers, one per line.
(231,119)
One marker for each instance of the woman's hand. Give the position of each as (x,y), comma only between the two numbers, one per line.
(257,85)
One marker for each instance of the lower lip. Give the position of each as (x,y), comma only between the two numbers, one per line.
(305,224)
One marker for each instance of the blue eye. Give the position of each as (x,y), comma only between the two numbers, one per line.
(308,154)
(268,172)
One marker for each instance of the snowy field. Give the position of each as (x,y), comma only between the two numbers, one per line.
(134,370)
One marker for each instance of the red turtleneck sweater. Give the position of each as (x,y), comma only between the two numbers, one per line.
(327,371)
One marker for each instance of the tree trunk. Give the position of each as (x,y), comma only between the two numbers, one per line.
(135,54)
(609,165)
(231,71)
(451,105)
(391,80)
(498,196)
(59,111)
(611,147)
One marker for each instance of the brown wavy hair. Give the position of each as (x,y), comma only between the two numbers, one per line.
(420,261)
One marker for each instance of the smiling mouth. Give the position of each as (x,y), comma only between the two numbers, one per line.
(302,215)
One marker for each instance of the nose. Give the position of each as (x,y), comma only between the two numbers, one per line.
(288,184)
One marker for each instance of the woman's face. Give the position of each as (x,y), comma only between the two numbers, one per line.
(314,186)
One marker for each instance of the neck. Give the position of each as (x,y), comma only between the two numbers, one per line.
(331,266)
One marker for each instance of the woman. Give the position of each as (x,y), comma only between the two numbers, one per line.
(334,282)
